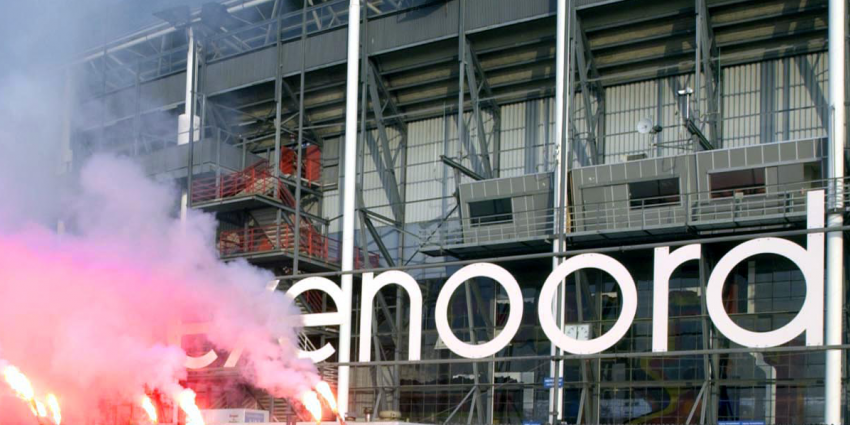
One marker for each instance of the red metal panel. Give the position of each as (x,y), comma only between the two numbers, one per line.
(312,163)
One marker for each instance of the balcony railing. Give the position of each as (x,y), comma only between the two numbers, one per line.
(115,69)
(273,238)
(257,179)
(715,209)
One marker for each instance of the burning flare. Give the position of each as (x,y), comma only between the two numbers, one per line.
(186,400)
(325,391)
(311,401)
(55,410)
(40,409)
(150,409)
(22,387)
(19,383)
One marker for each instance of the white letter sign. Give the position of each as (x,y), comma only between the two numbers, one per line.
(371,286)
(810,262)
(547,293)
(504,278)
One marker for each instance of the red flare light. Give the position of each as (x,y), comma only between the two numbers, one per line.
(311,401)
(55,410)
(325,391)
(186,400)
(150,409)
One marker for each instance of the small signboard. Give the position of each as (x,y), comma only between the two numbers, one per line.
(549,382)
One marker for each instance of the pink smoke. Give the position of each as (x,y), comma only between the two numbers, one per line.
(86,313)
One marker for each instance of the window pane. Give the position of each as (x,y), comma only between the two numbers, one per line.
(654,193)
(495,211)
(747,182)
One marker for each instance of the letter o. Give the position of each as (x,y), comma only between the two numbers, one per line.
(504,278)
(547,293)
(806,320)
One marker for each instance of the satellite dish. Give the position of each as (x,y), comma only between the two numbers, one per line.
(644,126)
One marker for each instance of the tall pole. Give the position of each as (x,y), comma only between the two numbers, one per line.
(300,145)
(186,122)
(561,160)
(348,210)
(835,240)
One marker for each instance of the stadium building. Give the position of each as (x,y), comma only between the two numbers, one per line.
(495,141)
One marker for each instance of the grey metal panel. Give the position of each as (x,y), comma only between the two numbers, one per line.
(393,32)
(171,162)
(738,161)
(770,153)
(170,90)
(121,104)
(414,27)
(753,156)
(485,13)
(721,159)
(328,48)
(527,193)
(241,70)
(787,152)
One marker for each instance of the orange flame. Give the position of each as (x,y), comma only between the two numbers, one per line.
(41,409)
(55,410)
(311,401)
(186,400)
(19,383)
(150,409)
(325,391)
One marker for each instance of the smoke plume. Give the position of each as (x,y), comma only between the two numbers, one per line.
(89,313)
(86,313)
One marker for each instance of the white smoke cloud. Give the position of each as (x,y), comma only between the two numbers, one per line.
(86,314)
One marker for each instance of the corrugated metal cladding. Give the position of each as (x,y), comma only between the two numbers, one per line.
(485,13)
(656,100)
(526,136)
(776,100)
(762,102)
(241,70)
(374,191)
(413,27)
(526,130)
(122,104)
(590,3)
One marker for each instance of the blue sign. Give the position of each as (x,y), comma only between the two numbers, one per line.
(254,417)
(549,382)
(740,423)
(531,423)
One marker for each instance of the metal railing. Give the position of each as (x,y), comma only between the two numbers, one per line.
(710,209)
(315,244)
(118,69)
(257,179)
(254,180)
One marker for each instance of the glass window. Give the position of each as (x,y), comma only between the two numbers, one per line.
(654,193)
(728,183)
(494,211)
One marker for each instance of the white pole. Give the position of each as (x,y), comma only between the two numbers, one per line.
(835,240)
(183,121)
(350,169)
(556,368)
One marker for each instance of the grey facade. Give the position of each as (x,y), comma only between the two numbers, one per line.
(734,158)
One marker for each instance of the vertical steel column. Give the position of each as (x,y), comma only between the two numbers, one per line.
(299,155)
(561,166)
(191,89)
(278,100)
(835,240)
(349,188)
(461,57)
